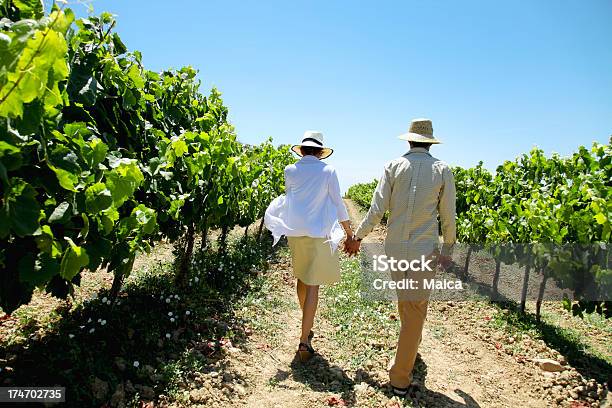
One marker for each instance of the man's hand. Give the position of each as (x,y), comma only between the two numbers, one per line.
(352,245)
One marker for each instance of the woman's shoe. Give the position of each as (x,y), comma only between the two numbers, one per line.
(400,392)
(305,352)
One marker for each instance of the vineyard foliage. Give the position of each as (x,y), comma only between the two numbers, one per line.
(362,193)
(100,157)
(559,206)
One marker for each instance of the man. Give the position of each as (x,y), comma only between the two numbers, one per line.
(415,188)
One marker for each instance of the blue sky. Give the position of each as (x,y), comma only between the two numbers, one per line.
(496,77)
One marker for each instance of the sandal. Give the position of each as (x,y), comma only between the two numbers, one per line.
(305,351)
(400,392)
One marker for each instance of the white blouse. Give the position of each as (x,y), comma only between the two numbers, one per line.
(312,204)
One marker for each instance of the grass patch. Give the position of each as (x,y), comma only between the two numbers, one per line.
(260,307)
(364,328)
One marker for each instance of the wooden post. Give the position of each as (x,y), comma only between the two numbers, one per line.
(467,262)
(204,242)
(223,239)
(495,291)
(541,294)
(181,273)
(261,225)
(526,282)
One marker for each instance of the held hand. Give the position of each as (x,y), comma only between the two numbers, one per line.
(351,246)
(345,247)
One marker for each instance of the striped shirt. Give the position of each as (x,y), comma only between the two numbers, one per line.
(415,189)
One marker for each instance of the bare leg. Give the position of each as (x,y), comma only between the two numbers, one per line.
(301,293)
(309,311)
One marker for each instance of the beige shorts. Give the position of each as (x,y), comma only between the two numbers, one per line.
(314,263)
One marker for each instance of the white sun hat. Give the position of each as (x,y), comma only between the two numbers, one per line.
(421,130)
(313,138)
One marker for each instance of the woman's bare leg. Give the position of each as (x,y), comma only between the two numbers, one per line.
(309,310)
(301,293)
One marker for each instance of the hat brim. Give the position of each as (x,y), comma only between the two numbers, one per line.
(326,150)
(415,137)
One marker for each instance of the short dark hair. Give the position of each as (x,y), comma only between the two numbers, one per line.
(311,151)
(420,144)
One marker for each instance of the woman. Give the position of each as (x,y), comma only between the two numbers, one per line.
(313,217)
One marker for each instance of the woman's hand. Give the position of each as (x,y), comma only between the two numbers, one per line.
(352,245)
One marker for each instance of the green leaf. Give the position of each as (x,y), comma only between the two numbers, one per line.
(600,218)
(123,180)
(41,271)
(46,242)
(65,178)
(99,151)
(98,198)
(10,156)
(60,214)
(108,219)
(74,259)
(82,85)
(98,250)
(120,47)
(134,75)
(29,8)
(63,20)
(175,208)
(45,51)
(85,230)
(180,147)
(20,210)
(146,217)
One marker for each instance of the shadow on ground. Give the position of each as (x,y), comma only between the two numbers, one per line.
(143,340)
(320,376)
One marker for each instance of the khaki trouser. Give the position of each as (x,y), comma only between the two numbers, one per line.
(412,317)
(412,309)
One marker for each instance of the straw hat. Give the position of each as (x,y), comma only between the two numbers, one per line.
(420,130)
(314,139)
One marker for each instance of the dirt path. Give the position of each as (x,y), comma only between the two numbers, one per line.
(276,380)
(463,361)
